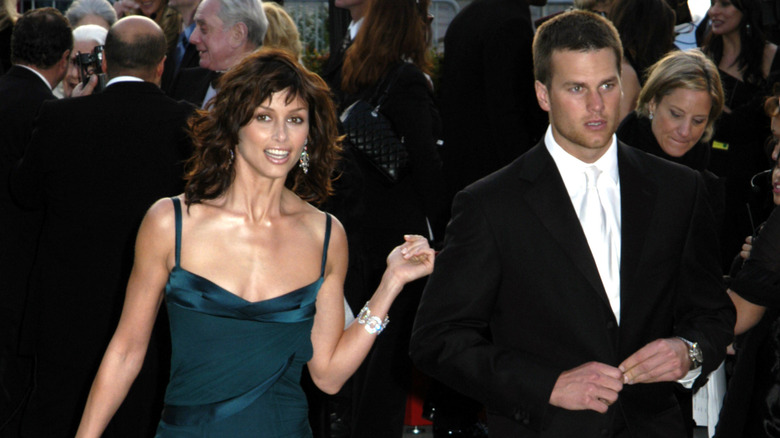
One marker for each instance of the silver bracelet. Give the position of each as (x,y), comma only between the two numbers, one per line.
(372,324)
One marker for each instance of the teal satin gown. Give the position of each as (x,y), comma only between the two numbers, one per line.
(236,365)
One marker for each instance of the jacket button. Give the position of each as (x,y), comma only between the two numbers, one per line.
(610,325)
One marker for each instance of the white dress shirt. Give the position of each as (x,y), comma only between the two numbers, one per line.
(572,172)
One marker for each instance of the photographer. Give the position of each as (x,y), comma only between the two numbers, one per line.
(84,59)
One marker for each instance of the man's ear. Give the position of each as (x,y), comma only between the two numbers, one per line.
(103,64)
(542,95)
(239,34)
(159,71)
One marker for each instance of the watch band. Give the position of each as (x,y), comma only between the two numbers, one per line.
(694,353)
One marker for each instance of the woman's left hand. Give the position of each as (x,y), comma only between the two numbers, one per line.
(412,260)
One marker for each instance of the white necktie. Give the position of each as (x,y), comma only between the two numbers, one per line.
(598,231)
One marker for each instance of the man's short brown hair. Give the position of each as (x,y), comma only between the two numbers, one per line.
(576,30)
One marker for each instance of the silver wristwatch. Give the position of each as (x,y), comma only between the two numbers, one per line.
(694,353)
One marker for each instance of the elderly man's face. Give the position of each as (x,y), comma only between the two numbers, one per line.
(211,38)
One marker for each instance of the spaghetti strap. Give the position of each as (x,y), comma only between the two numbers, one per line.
(177,211)
(325,245)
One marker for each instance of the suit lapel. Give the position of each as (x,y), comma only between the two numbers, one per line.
(637,197)
(548,199)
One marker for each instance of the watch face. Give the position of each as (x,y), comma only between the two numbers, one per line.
(695,354)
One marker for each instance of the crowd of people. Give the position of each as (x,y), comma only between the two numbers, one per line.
(567,239)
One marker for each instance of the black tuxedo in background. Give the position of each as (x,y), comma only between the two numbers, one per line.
(331,73)
(21,94)
(190,59)
(95,164)
(515,298)
(487,99)
(192,84)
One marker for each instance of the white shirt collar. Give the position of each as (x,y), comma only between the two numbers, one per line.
(571,168)
(354,27)
(123,79)
(37,73)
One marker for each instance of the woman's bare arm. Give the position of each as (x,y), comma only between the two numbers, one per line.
(748,314)
(339,352)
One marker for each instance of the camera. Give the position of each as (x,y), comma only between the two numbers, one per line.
(89,64)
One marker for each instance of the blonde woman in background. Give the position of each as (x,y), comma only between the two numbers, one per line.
(8,16)
(282,32)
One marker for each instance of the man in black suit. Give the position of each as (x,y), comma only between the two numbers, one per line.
(185,55)
(580,282)
(486,92)
(95,164)
(225,32)
(332,70)
(41,45)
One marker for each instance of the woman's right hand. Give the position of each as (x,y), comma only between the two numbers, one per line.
(746,248)
(412,260)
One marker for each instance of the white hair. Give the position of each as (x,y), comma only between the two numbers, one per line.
(249,12)
(90,32)
(81,8)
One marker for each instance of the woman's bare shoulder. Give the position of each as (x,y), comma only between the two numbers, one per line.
(160,219)
(162,212)
(315,219)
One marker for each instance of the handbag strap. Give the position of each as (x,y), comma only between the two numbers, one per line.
(393,77)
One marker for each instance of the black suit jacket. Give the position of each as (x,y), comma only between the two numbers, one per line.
(21,94)
(95,164)
(516,298)
(331,72)
(486,91)
(190,59)
(192,84)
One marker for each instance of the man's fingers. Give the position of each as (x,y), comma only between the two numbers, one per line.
(657,361)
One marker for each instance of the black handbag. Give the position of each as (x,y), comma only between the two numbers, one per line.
(372,134)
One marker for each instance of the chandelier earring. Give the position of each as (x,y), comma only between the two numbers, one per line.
(303,162)
(232,158)
(650,116)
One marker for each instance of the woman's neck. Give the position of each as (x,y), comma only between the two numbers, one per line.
(731,47)
(259,200)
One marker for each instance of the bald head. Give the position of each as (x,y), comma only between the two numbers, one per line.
(135,46)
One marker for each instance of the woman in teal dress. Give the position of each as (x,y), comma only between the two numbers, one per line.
(251,273)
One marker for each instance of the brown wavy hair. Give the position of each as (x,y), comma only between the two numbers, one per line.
(214,131)
(392,31)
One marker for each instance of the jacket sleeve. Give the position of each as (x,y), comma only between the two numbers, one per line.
(703,311)
(451,339)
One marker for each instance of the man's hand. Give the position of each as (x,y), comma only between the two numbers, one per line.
(85,90)
(663,360)
(125,7)
(593,386)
